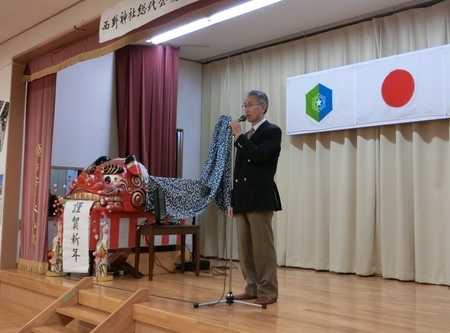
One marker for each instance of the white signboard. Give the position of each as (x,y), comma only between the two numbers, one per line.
(131,14)
(76,236)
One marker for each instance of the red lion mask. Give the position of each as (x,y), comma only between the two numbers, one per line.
(116,185)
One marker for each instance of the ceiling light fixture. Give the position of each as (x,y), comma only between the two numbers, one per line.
(208,21)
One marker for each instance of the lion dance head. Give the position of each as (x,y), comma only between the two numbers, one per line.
(115,185)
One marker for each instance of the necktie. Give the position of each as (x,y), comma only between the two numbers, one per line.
(250,133)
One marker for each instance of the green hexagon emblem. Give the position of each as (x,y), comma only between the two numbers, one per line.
(319,102)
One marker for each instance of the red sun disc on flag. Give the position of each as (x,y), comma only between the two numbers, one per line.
(398,88)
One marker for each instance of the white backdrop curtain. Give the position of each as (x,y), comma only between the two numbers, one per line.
(364,201)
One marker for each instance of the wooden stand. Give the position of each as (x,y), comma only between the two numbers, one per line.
(104,278)
(153,230)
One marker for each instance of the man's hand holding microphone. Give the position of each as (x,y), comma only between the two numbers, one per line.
(236,127)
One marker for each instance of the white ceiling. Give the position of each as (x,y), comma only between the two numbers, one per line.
(17,16)
(280,21)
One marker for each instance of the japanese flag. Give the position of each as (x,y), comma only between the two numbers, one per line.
(400,89)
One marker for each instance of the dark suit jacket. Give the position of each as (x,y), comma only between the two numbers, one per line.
(254,188)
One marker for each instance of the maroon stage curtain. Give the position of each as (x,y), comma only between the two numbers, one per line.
(40,112)
(147,88)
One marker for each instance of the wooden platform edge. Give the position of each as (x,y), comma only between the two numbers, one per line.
(18,308)
(173,322)
(25,281)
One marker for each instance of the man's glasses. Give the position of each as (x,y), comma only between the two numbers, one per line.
(249,105)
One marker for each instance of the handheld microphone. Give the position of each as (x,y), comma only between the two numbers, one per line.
(242,118)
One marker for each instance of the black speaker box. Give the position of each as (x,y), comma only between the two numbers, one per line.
(189,266)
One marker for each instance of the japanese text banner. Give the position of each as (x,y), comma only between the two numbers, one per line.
(131,14)
(76,236)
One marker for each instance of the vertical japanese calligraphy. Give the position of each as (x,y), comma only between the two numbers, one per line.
(76,236)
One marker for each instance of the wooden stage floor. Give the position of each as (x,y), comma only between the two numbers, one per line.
(309,301)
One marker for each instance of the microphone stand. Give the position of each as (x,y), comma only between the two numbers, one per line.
(229,299)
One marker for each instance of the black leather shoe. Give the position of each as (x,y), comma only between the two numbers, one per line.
(244,296)
(265,300)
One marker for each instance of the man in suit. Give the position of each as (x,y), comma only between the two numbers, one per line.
(254,199)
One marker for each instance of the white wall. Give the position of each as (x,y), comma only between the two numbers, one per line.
(189,116)
(85,113)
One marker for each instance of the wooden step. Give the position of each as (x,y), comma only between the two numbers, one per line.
(87,308)
(53,329)
(49,317)
(84,314)
(103,299)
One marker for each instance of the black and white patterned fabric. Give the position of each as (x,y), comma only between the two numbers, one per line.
(185,198)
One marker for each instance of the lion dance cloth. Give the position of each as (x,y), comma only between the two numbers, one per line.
(187,198)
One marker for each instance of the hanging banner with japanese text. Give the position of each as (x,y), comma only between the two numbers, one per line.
(76,236)
(131,14)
